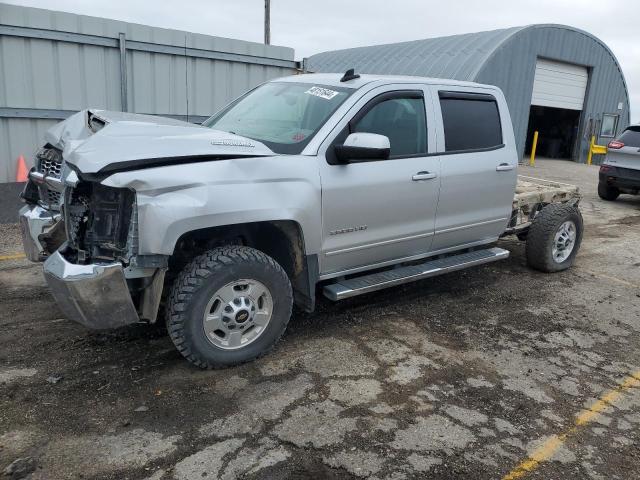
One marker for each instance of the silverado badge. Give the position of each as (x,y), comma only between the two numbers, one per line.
(348,230)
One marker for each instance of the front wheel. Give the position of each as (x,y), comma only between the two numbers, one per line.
(229,306)
(554,238)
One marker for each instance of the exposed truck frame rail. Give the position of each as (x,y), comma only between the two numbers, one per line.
(533,194)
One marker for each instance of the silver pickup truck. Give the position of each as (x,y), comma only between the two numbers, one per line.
(341,183)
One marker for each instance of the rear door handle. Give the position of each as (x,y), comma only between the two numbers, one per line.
(423,176)
(504,167)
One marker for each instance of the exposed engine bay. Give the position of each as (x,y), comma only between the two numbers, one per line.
(98,222)
(95,220)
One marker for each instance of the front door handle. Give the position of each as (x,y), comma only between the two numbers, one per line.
(504,167)
(423,176)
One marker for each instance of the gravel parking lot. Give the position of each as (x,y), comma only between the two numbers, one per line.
(491,372)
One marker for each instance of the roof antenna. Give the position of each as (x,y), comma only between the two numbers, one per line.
(349,75)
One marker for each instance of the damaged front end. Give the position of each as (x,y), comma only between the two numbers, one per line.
(41,220)
(87,235)
(87,232)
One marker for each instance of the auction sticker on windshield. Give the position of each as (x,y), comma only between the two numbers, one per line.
(322,92)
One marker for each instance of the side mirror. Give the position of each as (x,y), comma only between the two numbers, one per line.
(363,146)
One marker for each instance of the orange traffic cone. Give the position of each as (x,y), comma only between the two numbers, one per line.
(21,171)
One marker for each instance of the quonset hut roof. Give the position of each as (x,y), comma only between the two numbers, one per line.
(458,57)
(506,58)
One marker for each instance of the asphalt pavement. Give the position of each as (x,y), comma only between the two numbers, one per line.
(493,372)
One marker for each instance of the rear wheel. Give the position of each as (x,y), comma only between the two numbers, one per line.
(229,306)
(607,192)
(554,238)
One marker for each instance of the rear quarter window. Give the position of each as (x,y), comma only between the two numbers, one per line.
(471,121)
(631,137)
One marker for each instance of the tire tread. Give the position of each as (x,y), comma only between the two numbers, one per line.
(541,233)
(193,277)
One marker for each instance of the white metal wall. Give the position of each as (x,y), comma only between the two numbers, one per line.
(53,64)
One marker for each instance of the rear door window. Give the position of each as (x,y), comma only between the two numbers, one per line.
(471,121)
(631,137)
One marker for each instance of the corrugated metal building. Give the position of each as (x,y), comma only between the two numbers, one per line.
(558,80)
(53,64)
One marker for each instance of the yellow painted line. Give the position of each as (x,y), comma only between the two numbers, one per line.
(545,451)
(613,279)
(12,256)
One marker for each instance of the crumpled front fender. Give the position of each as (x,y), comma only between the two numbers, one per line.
(177,199)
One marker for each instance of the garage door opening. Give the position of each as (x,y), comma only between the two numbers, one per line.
(556,102)
(557,131)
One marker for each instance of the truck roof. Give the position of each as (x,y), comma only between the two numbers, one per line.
(333,79)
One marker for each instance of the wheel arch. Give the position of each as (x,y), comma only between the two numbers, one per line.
(282,240)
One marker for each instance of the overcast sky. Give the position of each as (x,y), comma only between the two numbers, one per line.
(311,27)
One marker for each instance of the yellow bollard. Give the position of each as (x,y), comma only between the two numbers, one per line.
(591,144)
(532,160)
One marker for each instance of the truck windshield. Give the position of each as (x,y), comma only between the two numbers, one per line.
(283,115)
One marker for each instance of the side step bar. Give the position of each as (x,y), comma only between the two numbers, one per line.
(390,278)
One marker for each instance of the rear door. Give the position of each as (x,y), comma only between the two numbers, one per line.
(625,152)
(478,165)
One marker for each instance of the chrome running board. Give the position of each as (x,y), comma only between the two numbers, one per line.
(390,278)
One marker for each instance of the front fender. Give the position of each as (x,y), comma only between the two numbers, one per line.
(174,200)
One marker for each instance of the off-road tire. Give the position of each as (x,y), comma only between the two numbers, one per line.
(200,279)
(607,192)
(540,238)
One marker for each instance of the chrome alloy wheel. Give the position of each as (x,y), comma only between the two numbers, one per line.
(564,241)
(237,314)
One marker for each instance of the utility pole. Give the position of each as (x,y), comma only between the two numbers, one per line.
(267,22)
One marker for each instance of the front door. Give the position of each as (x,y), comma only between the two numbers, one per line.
(378,211)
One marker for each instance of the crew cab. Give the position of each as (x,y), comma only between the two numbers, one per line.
(344,184)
